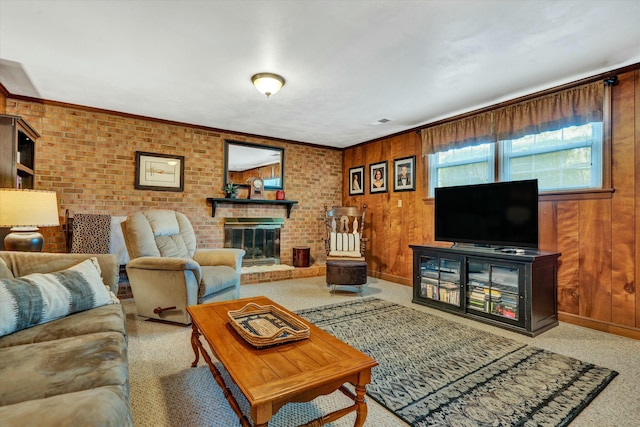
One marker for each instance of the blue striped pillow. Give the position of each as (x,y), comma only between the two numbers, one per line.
(38,298)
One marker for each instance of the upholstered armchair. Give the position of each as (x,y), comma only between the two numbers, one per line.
(167,273)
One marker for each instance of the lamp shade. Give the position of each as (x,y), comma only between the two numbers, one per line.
(28,208)
(267,83)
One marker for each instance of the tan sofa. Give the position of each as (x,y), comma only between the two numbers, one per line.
(68,372)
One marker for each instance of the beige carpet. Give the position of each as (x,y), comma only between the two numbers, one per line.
(162,381)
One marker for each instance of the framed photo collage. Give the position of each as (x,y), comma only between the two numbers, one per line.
(403,177)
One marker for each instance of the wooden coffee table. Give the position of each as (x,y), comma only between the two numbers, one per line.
(270,377)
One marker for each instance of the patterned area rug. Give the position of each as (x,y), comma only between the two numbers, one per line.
(437,373)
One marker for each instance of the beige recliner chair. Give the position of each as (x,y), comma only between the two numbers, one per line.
(167,273)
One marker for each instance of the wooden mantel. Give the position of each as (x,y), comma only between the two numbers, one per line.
(214,203)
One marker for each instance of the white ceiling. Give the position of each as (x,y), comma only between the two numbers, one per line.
(347,63)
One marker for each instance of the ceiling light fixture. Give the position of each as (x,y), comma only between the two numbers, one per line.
(267,83)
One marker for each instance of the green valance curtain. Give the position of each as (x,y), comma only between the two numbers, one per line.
(570,107)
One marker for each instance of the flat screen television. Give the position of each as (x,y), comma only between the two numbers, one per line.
(502,214)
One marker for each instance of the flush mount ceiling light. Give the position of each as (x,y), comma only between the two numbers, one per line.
(267,83)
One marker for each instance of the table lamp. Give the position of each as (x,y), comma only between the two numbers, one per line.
(25,211)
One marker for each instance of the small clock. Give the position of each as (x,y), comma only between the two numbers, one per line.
(256,188)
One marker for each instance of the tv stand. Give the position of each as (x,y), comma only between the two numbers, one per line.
(512,290)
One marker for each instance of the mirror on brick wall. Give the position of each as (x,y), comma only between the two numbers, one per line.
(244,160)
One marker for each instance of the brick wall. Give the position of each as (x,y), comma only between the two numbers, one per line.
(88,158)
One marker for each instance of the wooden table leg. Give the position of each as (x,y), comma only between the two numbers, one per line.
(197,345)
(195,335)
(361,406)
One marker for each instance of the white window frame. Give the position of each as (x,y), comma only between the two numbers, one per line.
(596,158)
(501,161)
(435,166)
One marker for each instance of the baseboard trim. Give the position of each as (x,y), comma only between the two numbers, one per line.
(599,325)
(390,278)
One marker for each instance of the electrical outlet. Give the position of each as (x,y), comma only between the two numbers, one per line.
(399,203)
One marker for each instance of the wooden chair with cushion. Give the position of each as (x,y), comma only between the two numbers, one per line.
(345,246)
(167,273)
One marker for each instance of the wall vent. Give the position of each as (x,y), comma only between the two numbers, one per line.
(381,121)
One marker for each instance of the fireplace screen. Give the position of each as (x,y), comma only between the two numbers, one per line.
(259,237)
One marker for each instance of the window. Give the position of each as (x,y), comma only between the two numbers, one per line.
(271,182)
(564,159)
(461,166)
(557,138)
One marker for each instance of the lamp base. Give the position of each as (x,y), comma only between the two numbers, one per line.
(24,239)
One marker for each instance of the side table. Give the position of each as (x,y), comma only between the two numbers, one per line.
(301,256)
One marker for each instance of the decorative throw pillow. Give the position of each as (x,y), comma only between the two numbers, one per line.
(38,298)
(91,234)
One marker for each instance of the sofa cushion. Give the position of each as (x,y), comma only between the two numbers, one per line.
(159,233)
(108,318)
(117,245)
(38,298)
(5,273)
(172,246)
(24,263)
(217,278)
(106,406)
(36,371)
(139,237)
(162,222)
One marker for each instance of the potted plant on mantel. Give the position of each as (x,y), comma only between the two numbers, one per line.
(230,190)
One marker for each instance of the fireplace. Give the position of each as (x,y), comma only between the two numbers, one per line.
(259,237)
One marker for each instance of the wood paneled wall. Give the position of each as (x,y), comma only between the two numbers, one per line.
(597,234)
(264,172)
(394,219)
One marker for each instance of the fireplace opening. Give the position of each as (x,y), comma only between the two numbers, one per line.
(259,237)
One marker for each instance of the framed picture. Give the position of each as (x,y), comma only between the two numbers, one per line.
(356,181)
(378,177)
(404,174)
(160,172)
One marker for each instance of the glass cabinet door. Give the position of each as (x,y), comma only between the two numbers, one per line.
(440,279)
(493,289)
